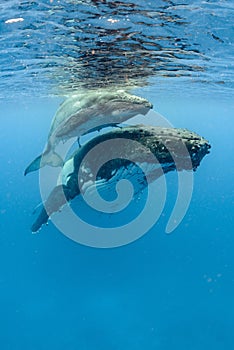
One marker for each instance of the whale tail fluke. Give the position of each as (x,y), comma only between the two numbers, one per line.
(47,158)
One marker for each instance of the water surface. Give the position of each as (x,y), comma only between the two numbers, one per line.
(162,291)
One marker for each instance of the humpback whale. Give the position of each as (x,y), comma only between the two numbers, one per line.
(174,149)
(83,113)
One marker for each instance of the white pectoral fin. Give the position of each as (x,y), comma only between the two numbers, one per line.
(53,159)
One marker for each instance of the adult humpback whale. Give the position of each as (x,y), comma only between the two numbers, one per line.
(174,149)
(84,112)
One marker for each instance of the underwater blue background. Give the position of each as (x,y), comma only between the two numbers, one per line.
(162,291)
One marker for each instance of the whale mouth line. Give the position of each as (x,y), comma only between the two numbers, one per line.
(143,103)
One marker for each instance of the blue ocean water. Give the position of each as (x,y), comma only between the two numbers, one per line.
(161,291)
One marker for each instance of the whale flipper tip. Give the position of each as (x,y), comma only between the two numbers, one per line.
(47,158)
(41,220)
(33,166)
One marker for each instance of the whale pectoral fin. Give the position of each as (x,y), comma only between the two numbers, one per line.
(41,220)
(100,127)
(52,159)
(35,165)
(59,196)
(37,208)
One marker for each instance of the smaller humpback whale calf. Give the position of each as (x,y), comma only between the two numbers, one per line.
(174,149)
(83,113)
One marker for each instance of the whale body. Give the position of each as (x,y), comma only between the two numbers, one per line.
(174,149)
(83,113)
